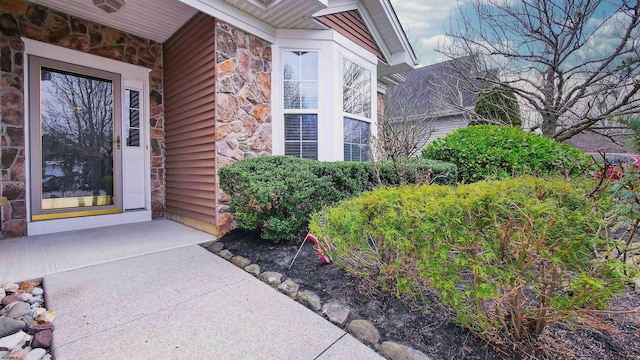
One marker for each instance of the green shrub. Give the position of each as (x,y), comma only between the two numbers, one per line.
(276,194)
(497,152)
(508,256)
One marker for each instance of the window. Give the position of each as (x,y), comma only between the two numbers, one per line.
(300,74)
(132,114)
(356,91)
(356,140)
(301,136)
(356,105)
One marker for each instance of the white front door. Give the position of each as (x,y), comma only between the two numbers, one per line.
(133,146)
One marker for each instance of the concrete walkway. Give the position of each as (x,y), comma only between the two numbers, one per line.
(33,257)
(183,303)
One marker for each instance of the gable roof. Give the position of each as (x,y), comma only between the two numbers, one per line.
(351,25)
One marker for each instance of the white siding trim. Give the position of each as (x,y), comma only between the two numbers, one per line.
(234,16)
(331,48)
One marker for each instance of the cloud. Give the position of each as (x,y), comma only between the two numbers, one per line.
(425,23)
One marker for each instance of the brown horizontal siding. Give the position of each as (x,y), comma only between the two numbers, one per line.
(351,25)
(189,87)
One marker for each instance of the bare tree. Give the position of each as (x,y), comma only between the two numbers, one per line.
(575,63)
(77,130)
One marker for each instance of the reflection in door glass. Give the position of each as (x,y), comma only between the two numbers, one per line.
(132,122)
(77,140)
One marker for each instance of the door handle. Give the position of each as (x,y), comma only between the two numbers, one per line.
(118,142)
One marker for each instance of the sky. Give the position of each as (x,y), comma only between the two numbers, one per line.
(426,22)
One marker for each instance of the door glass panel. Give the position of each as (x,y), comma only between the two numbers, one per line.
(132,113)
(77,140)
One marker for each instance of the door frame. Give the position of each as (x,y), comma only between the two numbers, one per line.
(125,71)
(36,63)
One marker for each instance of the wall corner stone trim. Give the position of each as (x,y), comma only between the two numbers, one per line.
(243,104)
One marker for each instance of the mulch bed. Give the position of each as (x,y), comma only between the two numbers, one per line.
(428,326)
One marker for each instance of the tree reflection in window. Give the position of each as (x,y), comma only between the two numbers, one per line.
(300,80)
(356,90)
(77,135)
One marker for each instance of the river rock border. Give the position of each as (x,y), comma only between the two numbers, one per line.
(334,311)
(26,326)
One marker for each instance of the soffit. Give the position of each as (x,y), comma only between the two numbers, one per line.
(150,19)
(283,14)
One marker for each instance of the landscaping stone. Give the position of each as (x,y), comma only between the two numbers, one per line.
(47,317)
(19,354)
(35,354)
(27,286)
(18,310)
(42,339)
(336,312)
(271,277)
(36,300)
(33,329)
(216,247)
(9,299)
(395,351)
(11,342)
(34,313)
(240,261)
(25,297)
(310,300)
(289,287)
(10,287)
(37,291)
(9,326)
(226,254)
(253,269)
(364,331)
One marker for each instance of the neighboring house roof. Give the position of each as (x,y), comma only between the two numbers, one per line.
(437,90)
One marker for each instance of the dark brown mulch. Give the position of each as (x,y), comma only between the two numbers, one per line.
(428,326)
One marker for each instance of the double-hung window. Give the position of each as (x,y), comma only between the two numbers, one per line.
(300,76)
(356,106)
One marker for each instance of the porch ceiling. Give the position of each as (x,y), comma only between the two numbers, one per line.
(283,14)
(151,19)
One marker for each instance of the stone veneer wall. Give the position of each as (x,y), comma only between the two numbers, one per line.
(243,103)
(21,18)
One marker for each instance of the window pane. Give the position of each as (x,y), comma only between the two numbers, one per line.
(356,140)
(300,72)
(133,137)
(309,66)
(291,61)
(356,92)
(301,135)
(310,150)
(291,95)
(292,148)
(309,127)
(309,94)
(292,127)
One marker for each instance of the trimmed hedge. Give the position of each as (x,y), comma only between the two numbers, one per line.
(498,152)
(508,256)
(276,194)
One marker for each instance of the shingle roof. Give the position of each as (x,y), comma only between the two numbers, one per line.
(432,89)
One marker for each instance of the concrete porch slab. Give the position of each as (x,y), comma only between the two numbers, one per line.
(32,257)
(184,304)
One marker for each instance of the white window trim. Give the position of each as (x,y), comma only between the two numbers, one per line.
(331,48)
(127,72)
